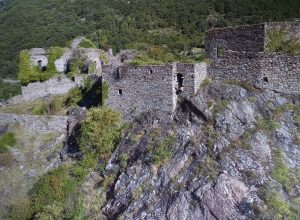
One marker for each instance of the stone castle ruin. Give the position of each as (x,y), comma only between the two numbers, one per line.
(135,89)
(89,59)
(238,53)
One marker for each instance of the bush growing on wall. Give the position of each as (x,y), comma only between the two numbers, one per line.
(26,71)
(29,73)
(87,43)
(279,43)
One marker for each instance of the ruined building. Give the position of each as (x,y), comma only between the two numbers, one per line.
(237,53)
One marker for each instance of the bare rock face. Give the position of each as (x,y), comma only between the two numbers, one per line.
(213,165)
(222,198)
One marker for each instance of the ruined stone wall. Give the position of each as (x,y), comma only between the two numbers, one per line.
(55,86)
(244,38)
(236,65)
(133,90)
(280,72)
(36,123)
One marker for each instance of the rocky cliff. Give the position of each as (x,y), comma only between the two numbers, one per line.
(232,152)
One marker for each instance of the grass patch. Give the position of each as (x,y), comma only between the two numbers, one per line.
(244,84)
(160,55)
(103,57)
(266,124)
(281,173)
(219,107)
(7,140)
(161,153)
(208,168)
(53,187)
(278,42)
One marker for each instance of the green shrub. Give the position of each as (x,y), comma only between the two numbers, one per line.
(278,43)
(7,140)
(100,131)
(87,43)
(103,57)
(266,124)
(281,173)
(74,96)
(26,71)
(161,153)
(80,170)
(52,187)
(277,206)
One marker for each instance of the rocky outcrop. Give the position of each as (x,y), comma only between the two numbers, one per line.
(211,162)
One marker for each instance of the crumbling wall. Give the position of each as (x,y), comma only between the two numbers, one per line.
(136,89)
(236,65)
(55,86)
(280,72)
(248,38)
(36,123)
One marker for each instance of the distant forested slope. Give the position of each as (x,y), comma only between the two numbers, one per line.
(179,24)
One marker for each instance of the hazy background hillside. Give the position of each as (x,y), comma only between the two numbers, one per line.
(178,24)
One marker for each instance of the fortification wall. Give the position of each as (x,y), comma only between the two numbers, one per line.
(279,72)
(36,123)
(133,90)
(55,86)
(136,89)
(236,65)
(244,38)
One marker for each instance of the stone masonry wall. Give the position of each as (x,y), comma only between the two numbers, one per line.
(137,89)
(244,38)
(55,86)
(36,123)
(279,72)
(236,65)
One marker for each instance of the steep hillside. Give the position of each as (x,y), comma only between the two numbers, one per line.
(231,152)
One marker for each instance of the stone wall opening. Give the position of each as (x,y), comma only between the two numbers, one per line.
(120,92)
(151,71)
(265,79)
(220,50)
(180,79)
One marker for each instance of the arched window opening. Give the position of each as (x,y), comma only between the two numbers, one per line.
(180,79)
(220,51)
(120,92)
